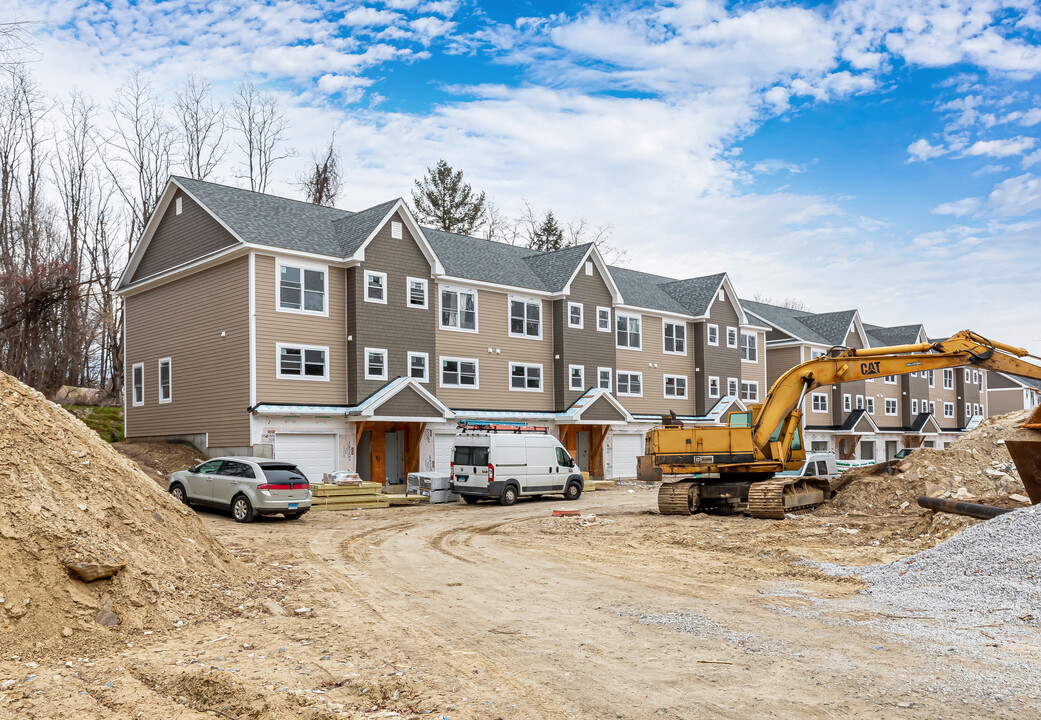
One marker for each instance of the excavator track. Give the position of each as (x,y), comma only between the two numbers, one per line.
(775,498)
(674,498)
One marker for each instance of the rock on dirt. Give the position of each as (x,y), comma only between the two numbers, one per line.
(68,497)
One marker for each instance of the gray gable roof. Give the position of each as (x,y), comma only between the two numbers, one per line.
(352,230)
(485,260)
(645,290)
(556,268)
(787,319)
(832,326)
(269,219)
(695,294)
(899,335)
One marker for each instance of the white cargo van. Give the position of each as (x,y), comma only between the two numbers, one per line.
(507,464)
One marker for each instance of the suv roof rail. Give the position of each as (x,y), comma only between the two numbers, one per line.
(500,427)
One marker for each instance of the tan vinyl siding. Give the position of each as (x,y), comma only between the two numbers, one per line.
(183,320)
(653,400)
(179,239)
(756,372)
(493,368)
(880,390)
(273,326)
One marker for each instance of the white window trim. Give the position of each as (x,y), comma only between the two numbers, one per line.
(821,396)
(931,375)
(610,324)
(571,377)
(708,335)
(581,315)
(159,380)
(948,406)
(914,406)
(737,337)
(737,387)
(386,361)
(887,381)
(441,372)
(297,346)
(426,365)
(396,230)
(847,403)
(133,384)
(741,341)
(885,407)
(628,316)
(509,318)
(932,407)
(526,366)
(610,378)
(619,393)
(365,287)
(477,317)
(718,387)
(968,375)
(968,410)
(742,390)
(948,373)
(673,352)
(408,293)
(686,386)
(302,265)
(869,405)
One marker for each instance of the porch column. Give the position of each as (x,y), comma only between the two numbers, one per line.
(379,455)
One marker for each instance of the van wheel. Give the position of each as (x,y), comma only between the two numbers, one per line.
(573,491)
(509,496)
(470,499)
(242,509)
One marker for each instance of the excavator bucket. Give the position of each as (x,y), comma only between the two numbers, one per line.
(1025,448)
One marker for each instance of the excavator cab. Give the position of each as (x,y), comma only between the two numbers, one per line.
(1025,448)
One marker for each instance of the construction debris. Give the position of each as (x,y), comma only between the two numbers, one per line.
(89,572)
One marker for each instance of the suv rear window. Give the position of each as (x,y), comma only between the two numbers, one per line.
(468,455)
(284,474)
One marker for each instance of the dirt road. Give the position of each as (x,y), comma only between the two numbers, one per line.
(491,612)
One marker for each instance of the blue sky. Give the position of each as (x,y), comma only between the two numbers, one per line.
(860,153)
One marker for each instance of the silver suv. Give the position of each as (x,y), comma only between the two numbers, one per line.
(248,486)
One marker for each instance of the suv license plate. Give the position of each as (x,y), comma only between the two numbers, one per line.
(292,506)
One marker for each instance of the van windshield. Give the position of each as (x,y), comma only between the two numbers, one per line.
(469,455)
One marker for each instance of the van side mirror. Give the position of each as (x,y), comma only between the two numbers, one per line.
(572,463)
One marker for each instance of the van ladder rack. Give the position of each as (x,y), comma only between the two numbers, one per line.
(500,427)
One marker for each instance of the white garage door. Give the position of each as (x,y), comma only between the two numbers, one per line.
(443,443)
(625,448)
(314,454)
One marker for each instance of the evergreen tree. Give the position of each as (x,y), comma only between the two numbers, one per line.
(443,200)
(548,236)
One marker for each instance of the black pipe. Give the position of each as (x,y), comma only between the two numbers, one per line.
(983,512)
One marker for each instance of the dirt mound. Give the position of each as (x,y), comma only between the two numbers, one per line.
(68,497)
(159,460)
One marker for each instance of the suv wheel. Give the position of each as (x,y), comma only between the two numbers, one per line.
(177,490)
(242,509)
(509,495)
(573,491)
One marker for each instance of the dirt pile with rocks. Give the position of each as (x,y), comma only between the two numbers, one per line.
(70,500)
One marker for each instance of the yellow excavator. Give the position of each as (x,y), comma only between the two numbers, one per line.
(729,468)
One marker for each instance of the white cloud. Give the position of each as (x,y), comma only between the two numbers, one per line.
(1016,196)
(367,16)
(921,150)
(430,27)
(1004,147)
(775,165)
(958,208)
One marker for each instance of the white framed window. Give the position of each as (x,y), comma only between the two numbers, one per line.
(627,332)
(713,387)
(603,319)
(630,384)
(574,315)
(871,405)
(975,377)
(395,230)
(977,409)
(819,402)
(968,410)
(860,402)
(589,267)
(968,375)
(674,338)
(732,387)
(459,372)
(577,375)
(675,386)
(847,403)
(375,364)
(731,337)
(932,407)
(603,378)
(375,287)
(814,354)
(302,362)
(712,335)
(302,289)
(137,373)
(889,379)
(932,377)
(459,309)
(890,406)
(165,380)
(417,293)
(948,379)
(525,377)
(914,406)
(749,348)
(982,373)
(525,318)
(178,206)
(750,390)
(948,410)
(419,366)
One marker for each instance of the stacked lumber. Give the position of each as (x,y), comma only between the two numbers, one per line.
(399,499)
(347,497)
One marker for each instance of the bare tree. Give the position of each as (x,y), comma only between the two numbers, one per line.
(141,148)
(14,41)
(498,227)
(790,302)
(323,181)
(202,126)
(261,127)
